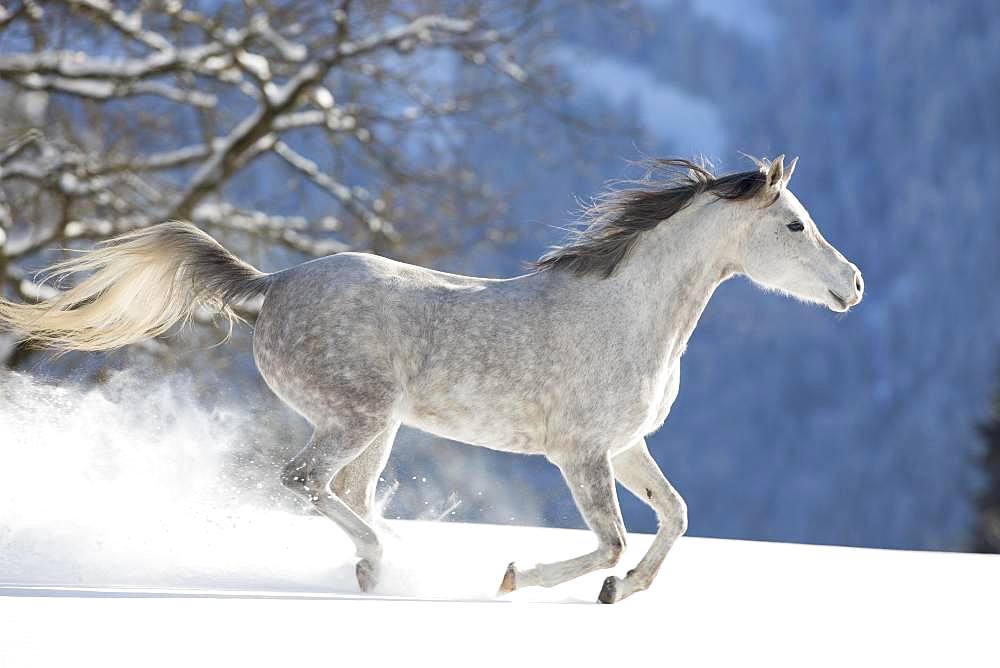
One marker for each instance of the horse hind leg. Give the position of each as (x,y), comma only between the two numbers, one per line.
(309,474)
(355,483)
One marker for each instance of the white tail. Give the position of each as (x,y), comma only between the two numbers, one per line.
(142,283)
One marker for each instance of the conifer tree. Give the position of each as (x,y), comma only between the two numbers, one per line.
(986,536)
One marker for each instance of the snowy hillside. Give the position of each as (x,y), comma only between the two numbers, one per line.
(717,602)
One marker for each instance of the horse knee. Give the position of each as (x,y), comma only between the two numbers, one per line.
(675,519)
(611,551)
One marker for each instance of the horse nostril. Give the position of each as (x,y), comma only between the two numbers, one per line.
(859,285)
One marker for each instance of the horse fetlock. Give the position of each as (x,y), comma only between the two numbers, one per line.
(616,589)
(540,575)
(369,564)
(611,552)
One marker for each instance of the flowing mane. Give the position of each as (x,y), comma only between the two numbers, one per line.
(610,227)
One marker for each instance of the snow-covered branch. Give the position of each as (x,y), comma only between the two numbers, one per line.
(77,65)
(129,25)
(96,89)
(229,115)
(420,29)
(354,201)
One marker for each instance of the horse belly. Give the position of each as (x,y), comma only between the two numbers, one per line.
(661,408)
(504,441)
(500,424)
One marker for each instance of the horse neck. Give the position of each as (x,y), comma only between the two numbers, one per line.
(674,270)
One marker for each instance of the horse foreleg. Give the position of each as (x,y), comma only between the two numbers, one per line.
(637,471)
(593,486)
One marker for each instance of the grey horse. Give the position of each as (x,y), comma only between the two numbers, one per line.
(578,360)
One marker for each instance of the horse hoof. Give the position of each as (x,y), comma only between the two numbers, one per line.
(367,576)
(509,582)
(609,592)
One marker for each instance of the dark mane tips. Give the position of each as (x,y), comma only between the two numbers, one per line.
(610,226)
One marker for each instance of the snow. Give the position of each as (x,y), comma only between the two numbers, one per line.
(289,50)
(255,63)
(323,97)
(716,602)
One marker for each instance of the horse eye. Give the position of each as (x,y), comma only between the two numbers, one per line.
(796,226)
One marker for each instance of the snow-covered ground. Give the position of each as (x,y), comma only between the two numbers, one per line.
(716,602)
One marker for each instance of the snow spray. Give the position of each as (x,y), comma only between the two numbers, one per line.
(141,482)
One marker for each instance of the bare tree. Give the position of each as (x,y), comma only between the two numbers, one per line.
(238,116)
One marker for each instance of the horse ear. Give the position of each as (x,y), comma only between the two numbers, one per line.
(776,173)
(790,169)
